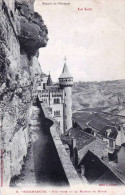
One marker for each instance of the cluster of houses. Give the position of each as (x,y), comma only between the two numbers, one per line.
(96,147)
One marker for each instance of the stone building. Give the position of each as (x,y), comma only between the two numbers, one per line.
(58,98)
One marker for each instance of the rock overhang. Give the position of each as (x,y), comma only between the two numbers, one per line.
(32,32)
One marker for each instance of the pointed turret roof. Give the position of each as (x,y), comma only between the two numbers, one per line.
(49,81)
(65,72)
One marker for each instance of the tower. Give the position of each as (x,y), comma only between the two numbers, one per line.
(66,83)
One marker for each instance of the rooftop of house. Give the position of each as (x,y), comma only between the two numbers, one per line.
(81,120)
(95,121)
(97,146)
(113,133)
(118,176)
(82,116)
(82,138)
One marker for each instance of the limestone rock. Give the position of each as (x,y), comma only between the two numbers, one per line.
(33,33)
(22,33)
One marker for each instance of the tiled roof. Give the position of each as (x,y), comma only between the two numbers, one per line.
(82,138)
(97,122)
(82,116)
(98,147)
(86,119)
(80,123)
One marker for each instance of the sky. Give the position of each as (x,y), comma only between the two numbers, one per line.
(93,41)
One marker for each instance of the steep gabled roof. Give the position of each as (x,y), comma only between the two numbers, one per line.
(97,146)
(116,175)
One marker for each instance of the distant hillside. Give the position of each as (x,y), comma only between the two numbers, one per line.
(105,95)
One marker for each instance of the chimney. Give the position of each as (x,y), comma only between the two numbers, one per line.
(75,157)
(94,134)
(119,138)
(82,170)
(72,147)
(74,142)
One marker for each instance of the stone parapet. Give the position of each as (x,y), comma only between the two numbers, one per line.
(67,165)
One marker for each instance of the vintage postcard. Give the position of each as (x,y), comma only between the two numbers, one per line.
(62,97)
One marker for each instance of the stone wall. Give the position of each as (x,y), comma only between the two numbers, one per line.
(67,166)
(22,33)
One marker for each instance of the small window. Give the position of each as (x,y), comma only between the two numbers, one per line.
(65,94)
(44,85)
(57,113)
(55,101)
(50,109)
(58,101)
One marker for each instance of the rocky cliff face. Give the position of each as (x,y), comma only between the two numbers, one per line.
(22,33)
